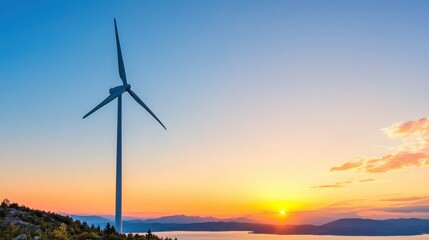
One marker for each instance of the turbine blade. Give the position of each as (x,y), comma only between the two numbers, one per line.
(120,60)
(106,101)
(144,106)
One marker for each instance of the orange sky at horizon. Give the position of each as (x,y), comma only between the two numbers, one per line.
(355,193)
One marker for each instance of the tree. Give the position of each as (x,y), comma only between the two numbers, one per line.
(5,203)
(4,208)
(61,232)
(109,229)
(149,235)
(11,231)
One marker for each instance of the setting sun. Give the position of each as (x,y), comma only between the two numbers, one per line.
(282,212)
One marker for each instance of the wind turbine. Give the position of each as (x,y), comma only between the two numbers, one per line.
(116,92)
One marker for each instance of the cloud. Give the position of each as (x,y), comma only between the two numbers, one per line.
(344,182)
(349,165)
(329,186)
(416,127)
(367,180)
(405,199)
(341,184)
(410,209)
(346,203)
(413,152)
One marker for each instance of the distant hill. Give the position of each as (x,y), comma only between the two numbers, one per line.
(241,220)
(344,227)
(195,219)
(368,227)
(180,219)
(176,219)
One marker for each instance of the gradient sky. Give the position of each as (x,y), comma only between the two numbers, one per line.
(264,101)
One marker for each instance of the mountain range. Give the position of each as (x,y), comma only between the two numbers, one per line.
(177,219)
(345,227)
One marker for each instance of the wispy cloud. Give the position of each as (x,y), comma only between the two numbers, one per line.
(367,180)
(328,186)
(413,152)
(408,209)
(349,165)
(341,184)
(404,206)
(346,203)
(405,199)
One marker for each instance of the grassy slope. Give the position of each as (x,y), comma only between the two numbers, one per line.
(16,220)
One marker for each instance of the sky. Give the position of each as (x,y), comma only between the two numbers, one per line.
(316,108)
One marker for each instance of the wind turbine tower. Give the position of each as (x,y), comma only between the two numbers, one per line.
(117,92)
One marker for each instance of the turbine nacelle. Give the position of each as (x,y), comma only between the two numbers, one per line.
(121,88)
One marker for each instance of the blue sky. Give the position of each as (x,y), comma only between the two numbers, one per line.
(254,83)
(192,51)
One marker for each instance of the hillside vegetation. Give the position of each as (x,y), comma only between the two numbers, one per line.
(20,222)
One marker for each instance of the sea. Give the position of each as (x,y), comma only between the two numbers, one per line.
(240,235)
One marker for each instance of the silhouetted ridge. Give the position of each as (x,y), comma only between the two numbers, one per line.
(20,222)
(355,226)
(346,227)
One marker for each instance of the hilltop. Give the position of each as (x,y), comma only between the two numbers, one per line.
(20,222)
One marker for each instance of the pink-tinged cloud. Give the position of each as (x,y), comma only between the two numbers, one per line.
(395,162)
(419,126)
(413,152)
(387,163)
(348,165)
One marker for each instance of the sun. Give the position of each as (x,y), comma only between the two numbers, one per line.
(282,212)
